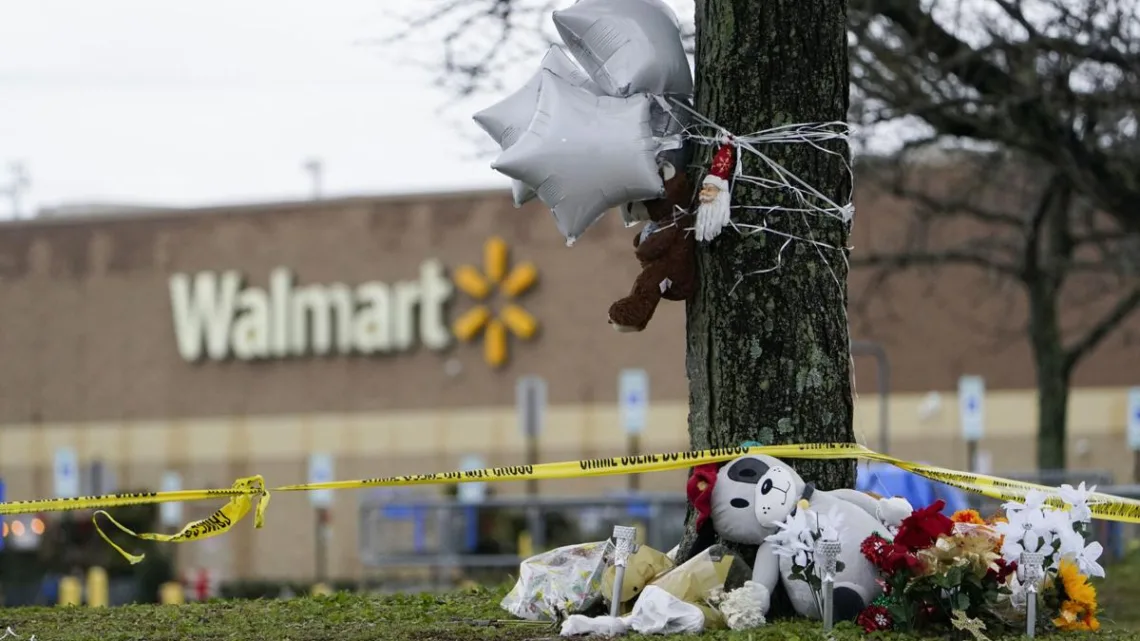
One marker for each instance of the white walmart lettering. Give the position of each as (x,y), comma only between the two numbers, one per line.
(215,317)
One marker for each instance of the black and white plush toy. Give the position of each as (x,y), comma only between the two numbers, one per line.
(749,496)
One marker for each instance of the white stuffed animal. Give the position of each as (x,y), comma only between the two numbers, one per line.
(752,494)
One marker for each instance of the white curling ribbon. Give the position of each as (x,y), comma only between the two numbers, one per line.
(806,200)
(810,200)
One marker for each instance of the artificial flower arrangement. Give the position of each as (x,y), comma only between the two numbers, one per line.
(797,537)
(961,572)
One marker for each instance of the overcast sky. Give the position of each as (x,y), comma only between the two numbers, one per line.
(189,103)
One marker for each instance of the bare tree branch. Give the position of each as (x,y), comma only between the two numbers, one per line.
(908,259)
(1065,90)
(1117,315)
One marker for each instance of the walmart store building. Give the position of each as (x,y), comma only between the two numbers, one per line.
(390,332)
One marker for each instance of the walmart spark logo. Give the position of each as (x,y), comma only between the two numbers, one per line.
(481,319)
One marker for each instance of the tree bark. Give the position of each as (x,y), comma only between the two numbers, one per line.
(768,354)
(1053,372)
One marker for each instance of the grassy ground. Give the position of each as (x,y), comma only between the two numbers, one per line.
(1119,593)
(346,617)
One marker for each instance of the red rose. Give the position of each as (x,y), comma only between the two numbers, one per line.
(874,618)
(923,527)
(898,559)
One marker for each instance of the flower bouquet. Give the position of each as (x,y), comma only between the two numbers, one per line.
(1058,535)
(962,572)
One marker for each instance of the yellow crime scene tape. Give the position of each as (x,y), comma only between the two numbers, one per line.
(250,490)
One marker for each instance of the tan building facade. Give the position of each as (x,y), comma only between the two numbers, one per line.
(390,332)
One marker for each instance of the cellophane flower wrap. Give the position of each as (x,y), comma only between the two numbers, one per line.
(961,572)
(559,582)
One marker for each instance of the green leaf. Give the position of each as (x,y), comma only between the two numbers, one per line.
(900,613)
(954,576)
(963,601)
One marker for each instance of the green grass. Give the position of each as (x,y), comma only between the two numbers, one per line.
(1118,594)
(348,617)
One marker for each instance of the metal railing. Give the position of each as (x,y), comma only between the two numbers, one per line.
(442,541)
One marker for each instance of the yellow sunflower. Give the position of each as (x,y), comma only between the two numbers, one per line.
(1078,611)
(1076,617)
(1076,585)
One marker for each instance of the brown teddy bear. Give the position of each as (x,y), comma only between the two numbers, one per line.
(666,251)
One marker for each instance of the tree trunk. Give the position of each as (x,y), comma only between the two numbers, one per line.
(1053,371)
(1052,249)
(769,354)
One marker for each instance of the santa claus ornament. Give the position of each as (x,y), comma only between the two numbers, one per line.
(715,200)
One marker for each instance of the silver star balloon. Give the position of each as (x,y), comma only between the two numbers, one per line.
(507,119)
(668,122)
(627,46)
(585,154)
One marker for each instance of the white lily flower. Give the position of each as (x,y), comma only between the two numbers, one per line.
(1034,500)
(1072,543)
(793,538)
(1086,560)
(797,535)
(790,528)
(828,526)
(1078,500)
(1016,532)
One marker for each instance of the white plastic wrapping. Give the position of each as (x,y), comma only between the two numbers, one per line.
(656,612)
(558,583)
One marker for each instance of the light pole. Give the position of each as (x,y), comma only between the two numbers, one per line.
(877,351)
(315,168)
(19,183)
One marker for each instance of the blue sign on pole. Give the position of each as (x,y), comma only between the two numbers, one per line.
(66,472)
(633,399)
(1134,418)
(971,407)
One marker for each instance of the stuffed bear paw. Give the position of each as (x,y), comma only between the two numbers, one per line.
(892,511)
(629,314)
